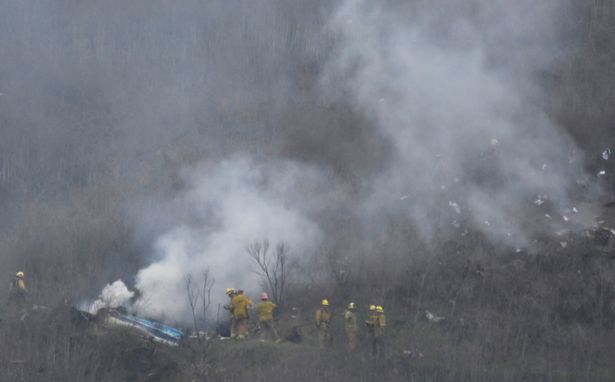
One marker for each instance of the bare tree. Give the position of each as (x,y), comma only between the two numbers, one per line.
(208,283)
(275,269)
(193,295)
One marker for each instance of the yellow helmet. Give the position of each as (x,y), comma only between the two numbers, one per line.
(351,306)
(325,302)
(19,274)
(372,307)
(230,291)
(379,309)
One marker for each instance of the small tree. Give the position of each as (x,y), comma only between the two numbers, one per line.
(208,283)
(193,299)
(198,295)
(275,270)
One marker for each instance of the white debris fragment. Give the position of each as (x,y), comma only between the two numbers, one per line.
(404,197)
(455,224)
(494,142)
(544,166)
(539,201)
(487,223)
(560,232)
(606,153)
(518,250)
(432,317)
(563,244)
(548,216)
(565,218)
(455,206)
(464,233)
(602,173)
(574,209)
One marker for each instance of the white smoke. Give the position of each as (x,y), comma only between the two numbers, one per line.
(452,86)
(112,296)
(225,207)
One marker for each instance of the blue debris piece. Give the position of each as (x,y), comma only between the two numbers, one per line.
(158,331)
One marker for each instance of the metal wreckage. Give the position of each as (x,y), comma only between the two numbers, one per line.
(153,330)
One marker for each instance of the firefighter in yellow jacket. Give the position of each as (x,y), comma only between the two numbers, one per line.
(18,294)
(241,311)
(323,323)
(350,325)
(230,292)
(265,309)
(379,324)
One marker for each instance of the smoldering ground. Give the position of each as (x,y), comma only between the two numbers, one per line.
(203,127)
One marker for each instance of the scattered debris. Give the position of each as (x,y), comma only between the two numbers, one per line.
(518,250)
(455,206)
(539,201)
(412,354)
(574,209)
(487,223)
(565,218)
(606,153)
(404,197)
(602,173)
(548,216)
(432,317)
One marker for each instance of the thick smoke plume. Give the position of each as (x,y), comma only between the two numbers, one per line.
(225,207)
(472,149)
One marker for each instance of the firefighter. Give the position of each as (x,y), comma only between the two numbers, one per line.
(265,309)
(230,292)
(241,308)
(371,318)
(378,338)
(18,294)
(323,322)
(350,324)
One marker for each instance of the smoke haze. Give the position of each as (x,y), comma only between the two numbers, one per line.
(198,128)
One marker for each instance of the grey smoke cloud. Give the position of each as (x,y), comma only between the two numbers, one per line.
(460,108)
(352,120)
(451,87)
